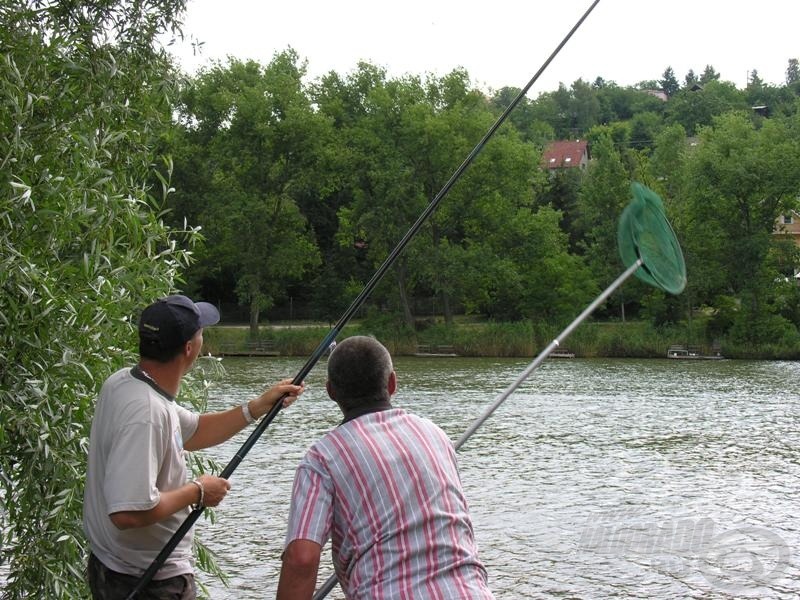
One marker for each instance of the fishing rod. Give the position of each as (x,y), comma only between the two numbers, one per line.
(330,339)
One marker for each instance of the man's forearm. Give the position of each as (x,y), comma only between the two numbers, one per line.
(168,504)
(215,428)
(299,570)
(296,583)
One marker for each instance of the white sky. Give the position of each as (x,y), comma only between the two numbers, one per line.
(505,43)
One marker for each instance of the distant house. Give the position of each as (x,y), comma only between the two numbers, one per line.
(660,94)
(789,226)
(566,154)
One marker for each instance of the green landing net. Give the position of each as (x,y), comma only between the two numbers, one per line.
(644,232)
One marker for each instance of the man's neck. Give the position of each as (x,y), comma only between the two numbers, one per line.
(359,411)
(166,375)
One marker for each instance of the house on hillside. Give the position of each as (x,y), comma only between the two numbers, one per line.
(566,154)
(660,94)
(788,225)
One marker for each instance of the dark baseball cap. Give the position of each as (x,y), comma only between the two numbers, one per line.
(172,321)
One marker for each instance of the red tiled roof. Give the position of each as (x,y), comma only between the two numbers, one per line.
(564,154)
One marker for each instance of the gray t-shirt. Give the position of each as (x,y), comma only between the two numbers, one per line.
(135,450)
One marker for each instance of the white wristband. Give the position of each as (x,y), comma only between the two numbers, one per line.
(199,504)
(246,412)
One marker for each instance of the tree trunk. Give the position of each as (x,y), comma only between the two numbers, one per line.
(254,311)
(447,308)
(408,316)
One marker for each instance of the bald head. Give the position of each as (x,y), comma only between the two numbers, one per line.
(359,372)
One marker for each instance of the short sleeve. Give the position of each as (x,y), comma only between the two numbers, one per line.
(133,464)
(310,515)
(188,421)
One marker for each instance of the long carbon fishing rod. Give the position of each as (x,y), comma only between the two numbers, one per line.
(330,339)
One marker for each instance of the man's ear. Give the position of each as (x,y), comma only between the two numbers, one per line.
(391,385)
(329,389)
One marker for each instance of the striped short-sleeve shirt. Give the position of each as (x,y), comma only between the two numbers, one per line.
(385,489)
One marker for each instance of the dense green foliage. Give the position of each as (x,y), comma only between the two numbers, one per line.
(356,158)
(82,246)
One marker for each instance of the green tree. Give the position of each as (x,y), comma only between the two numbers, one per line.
(644,127)
(85,93)
(622,103)
(754,81)
(740,179)
(407,137)
(560,192)
(522,117)
(495,195)
(605,192)
(585,107)
(793,72)
(709,75)
(386,131)
(519,267)
(695,108)
(669,83)
(259,148)
(668,160)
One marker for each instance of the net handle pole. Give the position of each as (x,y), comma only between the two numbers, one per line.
(545,353)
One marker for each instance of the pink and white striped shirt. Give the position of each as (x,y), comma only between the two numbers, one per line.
(385,488)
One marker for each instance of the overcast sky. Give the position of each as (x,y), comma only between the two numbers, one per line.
(505,43)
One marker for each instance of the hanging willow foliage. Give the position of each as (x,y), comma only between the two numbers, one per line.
(85,93)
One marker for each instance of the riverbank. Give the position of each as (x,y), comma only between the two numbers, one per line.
(630,339)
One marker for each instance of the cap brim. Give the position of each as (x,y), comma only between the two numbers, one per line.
(209,315)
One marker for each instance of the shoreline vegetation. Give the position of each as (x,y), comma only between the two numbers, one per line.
(616,339)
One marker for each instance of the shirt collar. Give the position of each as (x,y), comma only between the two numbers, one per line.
(141,375)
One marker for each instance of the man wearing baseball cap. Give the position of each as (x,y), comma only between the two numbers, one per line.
(137,487)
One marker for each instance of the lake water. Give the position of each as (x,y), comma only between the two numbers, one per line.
(596,479)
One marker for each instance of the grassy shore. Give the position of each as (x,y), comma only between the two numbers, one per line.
(631,339)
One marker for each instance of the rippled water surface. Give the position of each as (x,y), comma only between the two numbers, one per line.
(596,479)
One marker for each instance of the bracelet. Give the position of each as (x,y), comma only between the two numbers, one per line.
(199,504)
(247,414)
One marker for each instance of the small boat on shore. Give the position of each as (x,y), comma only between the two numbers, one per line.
(679,351)
(428,350)
(251,348)
(561,353)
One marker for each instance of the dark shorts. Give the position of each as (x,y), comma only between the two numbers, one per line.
(110,585)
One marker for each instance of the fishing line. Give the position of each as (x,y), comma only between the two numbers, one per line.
(329,339)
